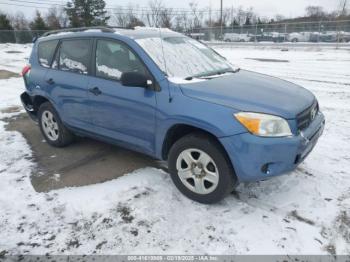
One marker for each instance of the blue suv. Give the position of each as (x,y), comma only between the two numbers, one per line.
(173,98)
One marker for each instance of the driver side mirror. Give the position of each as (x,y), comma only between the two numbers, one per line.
(135,79)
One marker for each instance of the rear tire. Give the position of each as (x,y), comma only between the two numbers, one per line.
(200,168)
(52,128)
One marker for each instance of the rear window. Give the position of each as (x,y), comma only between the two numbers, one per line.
(46,51)
(74,56)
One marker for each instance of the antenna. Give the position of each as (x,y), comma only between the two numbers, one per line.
(164,61)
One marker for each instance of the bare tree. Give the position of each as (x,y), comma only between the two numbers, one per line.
(134,21)
(21,26)
(178,24)
(279,18)
(251,15)
(184,21)
(343,7)
(159,15)
(154,16)
(121,18)
(315,11)
(197,16)
(56,18)
(19,22)
(166,17)
(241,16)
(127,18)
(236,16)
(226,16)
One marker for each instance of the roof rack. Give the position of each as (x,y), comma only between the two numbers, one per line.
(105,29)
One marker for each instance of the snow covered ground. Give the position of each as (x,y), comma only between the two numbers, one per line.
(304,212)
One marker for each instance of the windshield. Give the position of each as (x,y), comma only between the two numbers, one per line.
(184,57)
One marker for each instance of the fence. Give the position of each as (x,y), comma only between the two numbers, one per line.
(19,36)
(320,31)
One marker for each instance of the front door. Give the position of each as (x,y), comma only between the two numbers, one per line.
(123,113)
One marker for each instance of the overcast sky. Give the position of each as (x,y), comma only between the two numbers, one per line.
(268,8)
(263,7)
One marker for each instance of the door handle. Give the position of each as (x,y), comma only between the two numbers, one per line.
(50,81)
(96,91)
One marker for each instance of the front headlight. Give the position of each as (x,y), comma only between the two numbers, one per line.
(264,125)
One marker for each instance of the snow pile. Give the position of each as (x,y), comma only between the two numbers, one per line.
(305,212)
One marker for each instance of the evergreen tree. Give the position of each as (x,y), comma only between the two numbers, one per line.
(5,24)
(87,13)
(38,23)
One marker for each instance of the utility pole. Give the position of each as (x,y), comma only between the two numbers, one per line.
(343,7)
(232,19)
(342,13)
(210,22)
(221,17)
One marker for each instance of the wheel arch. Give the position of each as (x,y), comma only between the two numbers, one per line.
(179,130)
(210,144)
(38,100)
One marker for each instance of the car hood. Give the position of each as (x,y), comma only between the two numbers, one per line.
(249,91)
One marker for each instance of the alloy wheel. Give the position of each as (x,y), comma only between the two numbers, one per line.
(50,125)
(197,171)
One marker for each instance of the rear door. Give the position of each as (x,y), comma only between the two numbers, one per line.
(67,81)
(121,112)
(40,60)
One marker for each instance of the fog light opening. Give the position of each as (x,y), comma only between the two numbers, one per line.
(265,169)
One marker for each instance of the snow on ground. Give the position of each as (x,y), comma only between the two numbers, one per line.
(304,212)
(13,56)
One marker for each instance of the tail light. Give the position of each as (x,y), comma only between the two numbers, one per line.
(25,70)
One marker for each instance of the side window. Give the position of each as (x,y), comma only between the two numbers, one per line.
(46,51)
(74,56)
(113,59)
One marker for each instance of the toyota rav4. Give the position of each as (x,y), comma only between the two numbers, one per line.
(173,98)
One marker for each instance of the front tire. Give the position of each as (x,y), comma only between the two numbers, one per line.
(200,168)
(52,128)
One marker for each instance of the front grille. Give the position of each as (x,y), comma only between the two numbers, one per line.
(305,118)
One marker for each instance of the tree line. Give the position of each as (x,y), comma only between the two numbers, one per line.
(86,13)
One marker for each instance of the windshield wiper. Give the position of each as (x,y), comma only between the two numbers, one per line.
(213,73)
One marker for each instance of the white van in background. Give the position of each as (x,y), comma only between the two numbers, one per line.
(299,37)
(232,37)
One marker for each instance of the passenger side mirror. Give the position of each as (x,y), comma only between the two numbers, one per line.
(135,79)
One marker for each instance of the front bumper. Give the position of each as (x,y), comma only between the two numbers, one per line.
(257,158)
